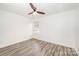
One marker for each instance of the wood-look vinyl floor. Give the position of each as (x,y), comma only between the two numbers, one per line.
(35,47)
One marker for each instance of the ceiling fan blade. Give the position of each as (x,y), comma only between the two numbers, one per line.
(33,7)
(40,12)
(30,13)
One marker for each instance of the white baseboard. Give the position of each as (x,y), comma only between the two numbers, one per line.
(8,44)
(37,36)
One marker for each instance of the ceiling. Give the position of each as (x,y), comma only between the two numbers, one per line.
(48,8)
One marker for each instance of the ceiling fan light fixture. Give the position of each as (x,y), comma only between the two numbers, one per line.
(35,13)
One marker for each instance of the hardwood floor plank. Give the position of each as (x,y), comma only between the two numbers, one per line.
(35,47)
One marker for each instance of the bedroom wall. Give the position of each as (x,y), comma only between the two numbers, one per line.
(58,28)
(13,28)
(77,30)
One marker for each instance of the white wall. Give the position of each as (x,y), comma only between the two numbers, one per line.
(58,28)
(13,28)
(77,30)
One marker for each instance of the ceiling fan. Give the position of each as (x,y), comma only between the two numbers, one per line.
(35,10)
